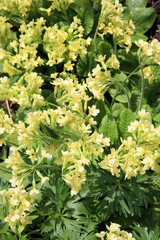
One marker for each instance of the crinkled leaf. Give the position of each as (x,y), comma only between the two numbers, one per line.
(120,77)
(156,72)
(87,20)
(104,48)
(108,128)
(117,109)
(83,65)
(134,5)
(122,98)
(126,117)
(103,108)
(138,36)
(143,19)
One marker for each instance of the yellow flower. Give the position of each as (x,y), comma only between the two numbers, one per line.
(93,111)
(143,113)
(75,185)
(44,180)
(101,235)
(34,192)
(86,129)
(13,216)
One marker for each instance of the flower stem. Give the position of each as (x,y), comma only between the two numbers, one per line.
(66,16)
(142,87)
(46,166)
(5,170)
(134,71)
(92,48)
(125,91)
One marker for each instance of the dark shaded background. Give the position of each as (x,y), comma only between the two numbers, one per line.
(153,32)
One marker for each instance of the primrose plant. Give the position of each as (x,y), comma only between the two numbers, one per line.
(78,71)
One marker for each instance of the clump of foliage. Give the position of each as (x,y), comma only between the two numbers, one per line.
(80,155)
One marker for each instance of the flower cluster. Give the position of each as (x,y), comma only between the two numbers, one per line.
(22,168)
(100,80)
(148,73)
(74,130)
(19,8)
(111,22)
(70,93)
(79,154)
(65,44)
(26,91)
(7,128)
(115,233)
(25,49)
(59,5)
(148,52)
(41,57)
(138,153)
(6,35)
(20,203)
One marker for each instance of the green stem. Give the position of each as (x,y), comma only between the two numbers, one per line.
(12,143)
(92,47)
(66,16)
(46,166)
(125,91)
(68,108)
(123,88)
(142,87)
(53,104)
(135,70)
(4,170)
(115,48)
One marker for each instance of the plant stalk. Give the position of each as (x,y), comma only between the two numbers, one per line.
(142,87)
(125,91)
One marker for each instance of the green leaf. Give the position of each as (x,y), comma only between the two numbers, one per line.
(108,128)
(138,36)
(122,98)
(126,117)
(128,61)
(156,118)
(101,106)
(104,48)
(48,131)
(156,73)
(126,12)
(134,5)
(4,227)
(5,172)
(22,113)
(87,20)
(1,66)
(120,77)
(143,233)
(83,65)
(117,109)
(143,19)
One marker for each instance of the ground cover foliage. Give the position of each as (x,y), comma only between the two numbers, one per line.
(80,120)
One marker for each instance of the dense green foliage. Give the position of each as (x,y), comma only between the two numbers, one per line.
(81,151)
